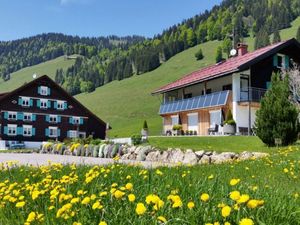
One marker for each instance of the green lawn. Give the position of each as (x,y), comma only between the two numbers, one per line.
(218,144)
(126,104)
(25,75)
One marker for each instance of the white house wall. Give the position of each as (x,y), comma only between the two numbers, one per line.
(242,116)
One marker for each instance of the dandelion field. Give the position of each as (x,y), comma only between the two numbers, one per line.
(264,191)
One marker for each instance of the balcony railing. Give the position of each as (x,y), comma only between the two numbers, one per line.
(252,94)
(198,102)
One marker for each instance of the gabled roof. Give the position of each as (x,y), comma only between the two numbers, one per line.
(231,65)
(49,81)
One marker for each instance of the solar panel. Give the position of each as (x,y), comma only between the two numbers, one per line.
(198,102)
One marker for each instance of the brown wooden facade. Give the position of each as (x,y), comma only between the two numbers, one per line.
(68,119)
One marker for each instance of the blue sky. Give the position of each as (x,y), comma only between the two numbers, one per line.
(23,18)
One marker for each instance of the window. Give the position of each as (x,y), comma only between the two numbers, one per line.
(43,104)
(60,105)
(12,115)
(53,132)
(25,102)
(27,117)
(76,120)
(175,120)
(189,95)
(227,87)
(72,134)
(27,130)
(53,119)
(215,117)
(12,129)
(44,90)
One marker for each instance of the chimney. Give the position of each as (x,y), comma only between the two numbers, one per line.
(242,49)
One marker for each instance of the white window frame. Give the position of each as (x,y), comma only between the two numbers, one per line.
(44,90)
(54,130)
(11,115)
(10,128)
(53,118)
(76,120)
(25,101)
(73,133)
(28,115)
(43,103)
(27,130)
(60,105)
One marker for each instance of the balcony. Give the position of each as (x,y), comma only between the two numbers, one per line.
(252,94)
(198,102)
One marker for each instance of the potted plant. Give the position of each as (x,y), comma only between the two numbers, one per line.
(176,129)
(144,131)
(229,124)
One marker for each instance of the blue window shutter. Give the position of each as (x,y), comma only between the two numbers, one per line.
(58,132)
(48,104)
(65,105)
(71,120)
(47,118)
(20,116)
(48,91)
(19,130)
(55,105)
(58,119)
(5,115)
(286,62)
(68,133)
(38,103)
(81,120)
(33,131)
(5,130)
(275,60)
(31,102)
(47,132)
(20,101)
(39,89)
(33,117)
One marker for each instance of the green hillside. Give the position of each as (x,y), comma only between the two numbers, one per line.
(125,104)
(19,77)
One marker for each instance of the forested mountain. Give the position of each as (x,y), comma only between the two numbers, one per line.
(15,55)
(106,59)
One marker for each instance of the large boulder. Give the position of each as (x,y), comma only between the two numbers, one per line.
(176,156)
(165,156)
(199,154)
(142,153)
(223,157)
(190,158)
(258,155)
(153,156)
(101,151)
(205,159)
(245,155)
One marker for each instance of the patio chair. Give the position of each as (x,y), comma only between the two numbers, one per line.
(213,129)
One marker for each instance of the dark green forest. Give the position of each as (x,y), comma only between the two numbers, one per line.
(113,58)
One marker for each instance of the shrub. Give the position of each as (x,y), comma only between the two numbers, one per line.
(277,116)
(229,119)
(145,125)
(136,139)
(177,127)
(199,54)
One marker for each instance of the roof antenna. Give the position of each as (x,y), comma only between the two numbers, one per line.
(34,76)
(233,51)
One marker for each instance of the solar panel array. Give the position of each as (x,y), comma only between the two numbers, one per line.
(199,102)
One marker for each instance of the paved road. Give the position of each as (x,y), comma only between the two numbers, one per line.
(43,159)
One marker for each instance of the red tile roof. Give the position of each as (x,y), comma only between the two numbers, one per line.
(229,66)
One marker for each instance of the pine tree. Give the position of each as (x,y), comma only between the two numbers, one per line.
(298,34)
(219,55)
(199,54)
(277,116)
(276,37)
(262,39)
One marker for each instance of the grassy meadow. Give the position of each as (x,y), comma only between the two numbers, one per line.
(212,143)
(25,75)
(264,191)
